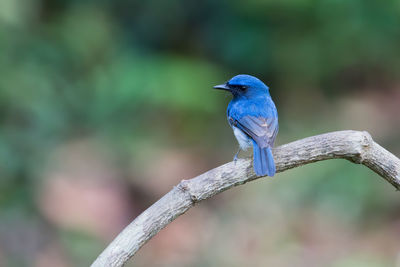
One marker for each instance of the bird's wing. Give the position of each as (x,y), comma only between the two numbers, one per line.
(262,130)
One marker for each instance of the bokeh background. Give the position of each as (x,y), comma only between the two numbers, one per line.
(106,105)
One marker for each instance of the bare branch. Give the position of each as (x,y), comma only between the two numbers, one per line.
(355,146)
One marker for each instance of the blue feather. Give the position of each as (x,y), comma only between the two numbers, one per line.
(263,161)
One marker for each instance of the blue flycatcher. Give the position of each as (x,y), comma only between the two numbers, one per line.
(254,119)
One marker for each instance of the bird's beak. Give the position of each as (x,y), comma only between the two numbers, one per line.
(222,87)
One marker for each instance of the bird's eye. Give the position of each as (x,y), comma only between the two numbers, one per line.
(242,87)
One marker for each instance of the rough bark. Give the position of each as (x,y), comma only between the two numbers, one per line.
(355,146)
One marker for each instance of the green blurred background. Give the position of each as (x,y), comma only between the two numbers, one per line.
(106,105)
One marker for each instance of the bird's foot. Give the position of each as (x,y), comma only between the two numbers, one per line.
(236,157)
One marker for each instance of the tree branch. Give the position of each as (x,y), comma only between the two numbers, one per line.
(358,147)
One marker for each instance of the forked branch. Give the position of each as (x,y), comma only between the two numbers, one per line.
(358,147)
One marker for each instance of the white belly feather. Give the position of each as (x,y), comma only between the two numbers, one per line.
(243,140)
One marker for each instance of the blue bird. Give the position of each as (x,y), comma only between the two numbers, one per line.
(254,119)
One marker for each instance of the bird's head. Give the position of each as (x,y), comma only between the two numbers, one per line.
(244,85)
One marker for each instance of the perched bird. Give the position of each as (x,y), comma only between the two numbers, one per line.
(254,119)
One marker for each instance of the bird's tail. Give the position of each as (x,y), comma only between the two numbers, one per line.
(263,161)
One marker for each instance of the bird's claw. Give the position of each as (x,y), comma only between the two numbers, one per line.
(235,158)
